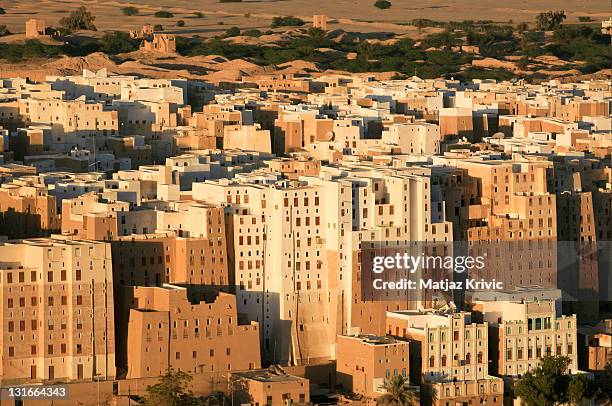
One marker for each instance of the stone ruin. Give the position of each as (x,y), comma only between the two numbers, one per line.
(319,21)
(152,41)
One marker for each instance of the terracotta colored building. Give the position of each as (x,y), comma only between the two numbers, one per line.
(35,28)
(364,362)
(270,387)
(165,43)
(171,327)
(57,311)
(27,211)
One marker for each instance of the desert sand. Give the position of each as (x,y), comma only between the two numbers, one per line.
(351,15)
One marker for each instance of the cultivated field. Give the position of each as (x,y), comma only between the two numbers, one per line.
(351,15)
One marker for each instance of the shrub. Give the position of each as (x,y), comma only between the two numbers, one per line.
(316,33)
(163,14)
(232,32)
(288,21)
(2,11)
(382,4)
(585,19)
(4,31)
(230,1)
(198,14)
(158,27)
(522,27)
(180,23)
(252,33)
(130,11)
(80,19)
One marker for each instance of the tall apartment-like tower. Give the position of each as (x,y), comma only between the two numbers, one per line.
(57,311)
(295,247)
(510,212)
(279,264)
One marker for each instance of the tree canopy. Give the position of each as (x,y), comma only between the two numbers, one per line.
(551,20)
(163,14)
(551,384)
(172,390)
(382,4)
(288,21)
(130,11)
(79,19)
(117,42)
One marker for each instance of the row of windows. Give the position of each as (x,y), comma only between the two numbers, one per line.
(51,349)
(538,352)
(34,277)
(467,335)
(296,201)
(467,360)
(50,301)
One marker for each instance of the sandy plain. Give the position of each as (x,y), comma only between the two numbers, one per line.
(349,15)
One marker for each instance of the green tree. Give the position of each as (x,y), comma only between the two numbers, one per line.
(288,21)
(580,388)
(232,32)
(551,20)
(240,392)
(163,14)
(365,51)
(130,11)
(604,383)
(2,11)
(316,34)
(547,384)
(382,4)
(398,392)
(180,23)
(117,42)
(420,24)
(172,390)
(252,33)
(79,19)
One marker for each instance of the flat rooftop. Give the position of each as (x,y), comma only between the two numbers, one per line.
(267,375)
(374,339)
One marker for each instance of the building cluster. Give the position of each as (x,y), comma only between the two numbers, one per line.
(158,223)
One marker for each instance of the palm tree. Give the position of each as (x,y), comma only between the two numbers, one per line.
(399,393)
